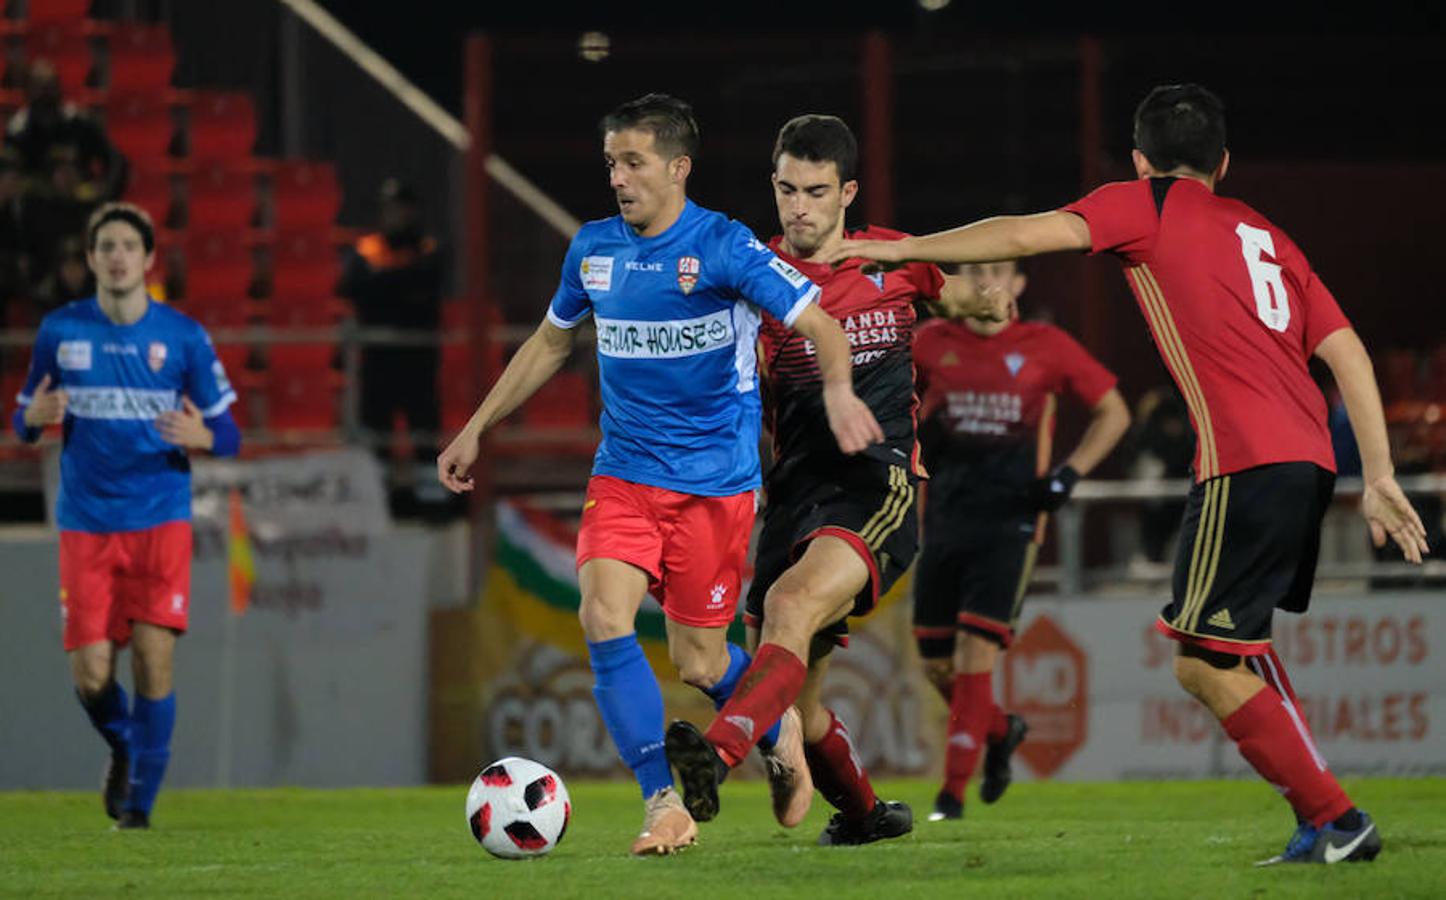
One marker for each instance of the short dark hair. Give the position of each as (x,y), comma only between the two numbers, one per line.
(819,138)
(1181,125)
(668,119)
(129,213)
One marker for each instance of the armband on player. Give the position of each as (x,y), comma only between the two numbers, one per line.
(1049,492)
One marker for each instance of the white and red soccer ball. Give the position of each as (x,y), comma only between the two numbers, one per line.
(518,808)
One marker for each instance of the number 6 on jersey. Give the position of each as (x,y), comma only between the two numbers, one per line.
(1272,304)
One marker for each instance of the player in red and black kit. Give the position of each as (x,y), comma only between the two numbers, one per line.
(1237,313)
(838,530)
(989,392)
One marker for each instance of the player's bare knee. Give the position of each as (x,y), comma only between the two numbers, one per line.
(600,621)
(790,608)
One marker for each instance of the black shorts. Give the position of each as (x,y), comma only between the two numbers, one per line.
(973,580)
(1248,545)
(871,507)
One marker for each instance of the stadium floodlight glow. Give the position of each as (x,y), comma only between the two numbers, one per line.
(933,5)
(594,46)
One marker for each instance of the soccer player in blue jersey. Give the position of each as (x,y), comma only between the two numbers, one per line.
(674,291)
(135,386)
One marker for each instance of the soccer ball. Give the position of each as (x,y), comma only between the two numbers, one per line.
(518,808)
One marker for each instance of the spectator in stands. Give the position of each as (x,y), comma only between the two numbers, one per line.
(56,209)
(393,276)
(47,121)
(69,279)
(14,260)
(1164,446)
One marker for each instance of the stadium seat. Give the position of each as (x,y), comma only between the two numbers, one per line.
(304,194)
(1399,376)
(141,57)
(56,10)
(303,311)
(222,125)
(301,388)
(304,263)
(220,194)
(150,189)
(65,45)
(217,265)
(140,126)
(564,402)
(458,394)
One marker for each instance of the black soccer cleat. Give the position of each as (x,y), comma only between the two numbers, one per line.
(132,818)
(997,771)
(115,786)
(700,768)
(946,807)
(886,820)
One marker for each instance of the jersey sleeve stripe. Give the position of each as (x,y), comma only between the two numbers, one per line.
(564,324)
(801,305)
(1162,324)
(215,409)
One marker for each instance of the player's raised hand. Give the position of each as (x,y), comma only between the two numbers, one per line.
(185,427)
(852,423)
(47,406)
(454,464)
(1388,512)
(879,256)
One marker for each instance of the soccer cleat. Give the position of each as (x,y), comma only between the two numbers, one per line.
(885,820)
(789,781)
(997,772)
(1330,844)
(699,766)
(131,819)
(115,787)
(667,827)
(946,806)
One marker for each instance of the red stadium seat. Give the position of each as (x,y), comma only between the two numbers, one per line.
(140,126)
(141,57)
(1399,376)
(564,402)
(304,194)
(222,125)
(150,189)
(56,10)
(304,263)
(458,394)
(303,311)
(302,388)
(220,195)
(65,45)
(218,265)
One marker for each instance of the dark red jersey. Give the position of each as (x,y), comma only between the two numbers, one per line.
(1235,311)
(988,408)
(876,312)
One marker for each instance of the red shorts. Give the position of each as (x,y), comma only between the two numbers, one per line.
(693,548)
(107,581)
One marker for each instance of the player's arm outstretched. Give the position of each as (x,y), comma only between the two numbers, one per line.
(853,425)
(537,360)
(988,240)
(1383,503)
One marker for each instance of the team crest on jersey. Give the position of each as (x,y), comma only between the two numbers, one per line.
(1015,362)
(877,278)
(950,358)
(688,269)
(156,355)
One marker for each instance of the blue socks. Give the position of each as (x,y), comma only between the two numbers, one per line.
(109,712)
(738,663)
(152,722)
(631,705)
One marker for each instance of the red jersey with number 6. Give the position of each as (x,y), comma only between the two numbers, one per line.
(1235,311)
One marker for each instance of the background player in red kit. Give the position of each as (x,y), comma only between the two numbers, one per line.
(1237,313)
(838,530)
(989,391)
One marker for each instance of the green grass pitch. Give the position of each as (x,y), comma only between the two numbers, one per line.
(1041,840)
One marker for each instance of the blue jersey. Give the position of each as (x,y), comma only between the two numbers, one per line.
(677,325)
(116,472)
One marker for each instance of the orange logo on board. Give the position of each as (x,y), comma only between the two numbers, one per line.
(1046,680)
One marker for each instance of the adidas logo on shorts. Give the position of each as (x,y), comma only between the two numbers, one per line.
(1221,619)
